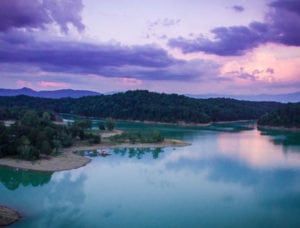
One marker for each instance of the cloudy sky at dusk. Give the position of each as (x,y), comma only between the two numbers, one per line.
(181,46)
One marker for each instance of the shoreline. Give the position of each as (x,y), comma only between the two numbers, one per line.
(179,123)
(185,124)
(278,128)
(8,216)
(69,160)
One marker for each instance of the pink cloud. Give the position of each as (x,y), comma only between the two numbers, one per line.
(49,85)
(131,82)
(23,83)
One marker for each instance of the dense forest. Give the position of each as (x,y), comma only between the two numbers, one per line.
(146,106)
(34,134)
(286,116)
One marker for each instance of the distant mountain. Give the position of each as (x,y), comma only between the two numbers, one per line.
(56,94)
(284,98)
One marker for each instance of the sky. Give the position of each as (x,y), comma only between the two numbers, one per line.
(172,46)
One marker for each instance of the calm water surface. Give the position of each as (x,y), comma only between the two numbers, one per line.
(231,176)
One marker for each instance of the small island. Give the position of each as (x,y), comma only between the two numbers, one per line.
(39,141)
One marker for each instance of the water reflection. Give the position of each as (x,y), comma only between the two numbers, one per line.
(12,179)
(237,177)
(257,150)
(138,152)
(59,202)
(281,137)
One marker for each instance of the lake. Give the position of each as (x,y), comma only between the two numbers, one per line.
(232,175)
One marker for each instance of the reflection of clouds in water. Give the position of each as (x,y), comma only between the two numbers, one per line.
(247,147)
(256,151)
(270,188)
(74,175)
(246,159)
(58,203)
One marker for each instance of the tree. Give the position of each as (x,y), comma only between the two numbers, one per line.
(83,124)
(26,151)
(30,118)
(57,145)
(101,126)
(110,124)
(94,139)
(3,139)
(46,148)
(66,139)
(46,118)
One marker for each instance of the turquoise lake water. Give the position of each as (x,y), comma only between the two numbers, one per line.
(232,175)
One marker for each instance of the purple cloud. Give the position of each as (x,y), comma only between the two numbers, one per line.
(238,8)
(253,75)
(110,60)
(284,22)
(228,41)
(270,71)
(36,14)
(282,26)
(166,22)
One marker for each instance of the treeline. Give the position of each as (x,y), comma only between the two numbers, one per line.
(148,106)
(286,116)
(138,137)
(34,134)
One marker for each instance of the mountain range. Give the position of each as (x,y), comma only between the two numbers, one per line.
(63,93)
(55,94)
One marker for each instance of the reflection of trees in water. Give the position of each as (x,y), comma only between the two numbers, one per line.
(138,152)
(284,138)
(14,178)
(231,127)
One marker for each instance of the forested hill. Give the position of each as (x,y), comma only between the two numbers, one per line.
(286,116)
(143,105)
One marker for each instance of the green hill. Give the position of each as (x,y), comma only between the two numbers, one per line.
(286,116)
(148,106)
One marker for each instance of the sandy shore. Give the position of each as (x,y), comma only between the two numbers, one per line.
(65,161)
(8,216)
(107,134)
(68,160)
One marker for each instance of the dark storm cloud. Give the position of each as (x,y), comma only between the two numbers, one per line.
(36,14)
(282,25)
